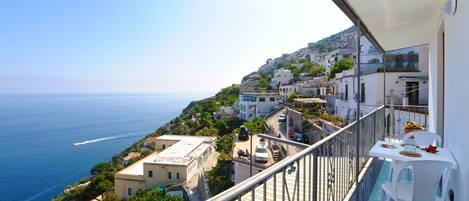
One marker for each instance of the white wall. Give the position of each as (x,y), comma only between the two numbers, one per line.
(456,116)
(249,110)
(242,171)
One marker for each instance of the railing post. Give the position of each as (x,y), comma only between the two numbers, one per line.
(315,175)
(374,127)
(358,99)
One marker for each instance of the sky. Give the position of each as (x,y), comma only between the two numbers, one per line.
(151,46)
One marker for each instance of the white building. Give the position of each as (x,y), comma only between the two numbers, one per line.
(176,160)
(281,77)
(336,55)
(252,105)
(286,90)
(406,80)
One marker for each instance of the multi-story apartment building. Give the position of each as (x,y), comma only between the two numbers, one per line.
(281,77)
(252,105)
(176,160)
(406,80)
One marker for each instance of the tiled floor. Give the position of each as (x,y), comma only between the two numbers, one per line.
(383,177)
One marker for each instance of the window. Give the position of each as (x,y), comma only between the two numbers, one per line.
(272,99)
(346,92)
(150,173)
(177,175)
(169,175)
(129,191)
(164,146)
(261,99)
(362,93)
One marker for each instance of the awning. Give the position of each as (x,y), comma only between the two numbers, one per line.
(394,24)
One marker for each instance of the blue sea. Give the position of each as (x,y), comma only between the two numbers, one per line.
(38,132)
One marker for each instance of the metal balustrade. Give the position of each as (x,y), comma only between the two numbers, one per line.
(398,115)
(326,170)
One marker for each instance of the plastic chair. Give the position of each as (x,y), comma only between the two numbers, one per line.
(424,138)
(424,187)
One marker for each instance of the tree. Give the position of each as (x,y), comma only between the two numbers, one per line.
(218,179)
(110,196)
(316,70)
(228,96)
(101,183)
(294,70)
(341,65)
(255,126)
(153,195)
(292,97)
(206,131)
(225,143)
(101,168)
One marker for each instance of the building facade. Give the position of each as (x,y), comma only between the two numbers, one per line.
(253,105)
(406,80)
(281,77)
(176,160)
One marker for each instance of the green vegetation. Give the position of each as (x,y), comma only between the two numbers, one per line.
(264,83)
(255,126)
(153,195)
(292,97)
(101,182)
(330,43)
(196,119)
(341,65)
(316,70)
(219,178)
(294,70)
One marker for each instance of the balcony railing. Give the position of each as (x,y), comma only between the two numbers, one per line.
(398,115)
(326,170)
(341,96)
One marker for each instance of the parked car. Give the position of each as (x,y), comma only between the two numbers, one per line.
(243,133)
(291,132)
(299,137)
(261,154)
(282,117)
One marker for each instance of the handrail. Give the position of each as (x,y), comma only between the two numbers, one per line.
(278,167)
(283,141)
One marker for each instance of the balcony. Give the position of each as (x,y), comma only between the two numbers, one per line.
(341,96)
(330,169)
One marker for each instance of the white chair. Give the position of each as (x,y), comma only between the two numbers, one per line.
(424,138)
(444,188)
(424,186)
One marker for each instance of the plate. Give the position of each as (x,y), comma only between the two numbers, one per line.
(388,146)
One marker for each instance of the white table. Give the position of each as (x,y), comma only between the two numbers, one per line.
(443,154)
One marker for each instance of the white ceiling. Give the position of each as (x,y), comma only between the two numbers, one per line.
(397,24)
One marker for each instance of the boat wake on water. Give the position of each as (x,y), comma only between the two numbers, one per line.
(105,139)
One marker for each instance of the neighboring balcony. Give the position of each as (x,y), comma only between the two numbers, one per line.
(341,96)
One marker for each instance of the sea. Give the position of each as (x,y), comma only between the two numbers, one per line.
(48,141)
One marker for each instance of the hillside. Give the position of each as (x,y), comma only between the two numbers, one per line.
(198,119)
(299,62)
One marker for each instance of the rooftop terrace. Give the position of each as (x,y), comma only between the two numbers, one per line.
(181,153)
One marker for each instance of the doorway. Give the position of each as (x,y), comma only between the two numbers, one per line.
(412,91)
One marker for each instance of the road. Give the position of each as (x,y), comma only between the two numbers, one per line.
(281,127)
